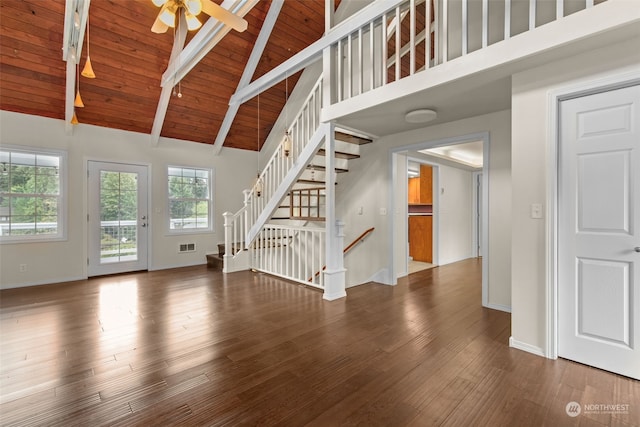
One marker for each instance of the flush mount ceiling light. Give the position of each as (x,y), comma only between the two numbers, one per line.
(420,116)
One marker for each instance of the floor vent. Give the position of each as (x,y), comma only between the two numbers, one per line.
(187,247)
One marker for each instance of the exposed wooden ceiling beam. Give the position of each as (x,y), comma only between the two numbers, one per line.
(207,37)
(188,57)
(249,70)
(165,95)
(74,29)
(313,52)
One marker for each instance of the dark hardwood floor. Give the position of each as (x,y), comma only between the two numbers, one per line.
(192,346)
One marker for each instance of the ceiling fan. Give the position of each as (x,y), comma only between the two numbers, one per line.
(192,8)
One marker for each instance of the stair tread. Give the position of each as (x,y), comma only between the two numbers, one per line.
(308,181)
(322,168)
(340,154)
(352,139)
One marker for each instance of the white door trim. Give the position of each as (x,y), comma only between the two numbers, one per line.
(554,98)
(476,250)
(395,186)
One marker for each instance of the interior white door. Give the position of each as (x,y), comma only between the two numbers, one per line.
(599,231)
(118,218)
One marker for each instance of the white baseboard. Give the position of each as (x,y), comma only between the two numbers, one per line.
(381,276)
(40,283)
(167,267)
(499,307)
(526,347)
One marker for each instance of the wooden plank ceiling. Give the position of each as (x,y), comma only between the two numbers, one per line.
(129,60)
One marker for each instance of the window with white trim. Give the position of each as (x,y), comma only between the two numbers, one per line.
(190,195)
(31,194)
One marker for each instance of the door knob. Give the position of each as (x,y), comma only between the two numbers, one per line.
(637,249)
(144,224)
(144,217)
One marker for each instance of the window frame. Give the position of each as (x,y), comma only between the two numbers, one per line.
(210,219)
(61,210)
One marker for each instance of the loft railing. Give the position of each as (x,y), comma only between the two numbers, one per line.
(293,253)
(412,35)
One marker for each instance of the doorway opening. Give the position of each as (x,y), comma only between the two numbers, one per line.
(457,213)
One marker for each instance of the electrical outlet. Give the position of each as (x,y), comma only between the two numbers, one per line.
(23,268)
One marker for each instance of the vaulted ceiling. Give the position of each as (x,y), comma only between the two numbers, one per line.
(129,61)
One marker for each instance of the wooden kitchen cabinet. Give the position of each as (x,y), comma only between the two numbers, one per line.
(421,188)
(421,238)
(414,191)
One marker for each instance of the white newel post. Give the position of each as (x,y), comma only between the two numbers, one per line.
(228,258)
(334,275)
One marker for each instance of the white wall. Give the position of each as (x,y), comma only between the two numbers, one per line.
(60,261)
(368,185)
(530,163)
(455,214)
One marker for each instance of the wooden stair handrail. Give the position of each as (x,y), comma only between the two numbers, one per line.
(347,249)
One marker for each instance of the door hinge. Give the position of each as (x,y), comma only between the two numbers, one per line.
(87,217)
(87,261)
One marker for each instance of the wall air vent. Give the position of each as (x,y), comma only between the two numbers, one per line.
(187,247)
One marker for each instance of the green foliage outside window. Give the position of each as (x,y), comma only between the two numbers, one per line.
(189,198)
(29,193)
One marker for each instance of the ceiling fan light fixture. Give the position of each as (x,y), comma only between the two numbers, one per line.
(168,15)
(158,3)
(74,119)
(193,6)
(192,22)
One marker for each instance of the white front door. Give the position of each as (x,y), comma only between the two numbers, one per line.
(118,218)
(599,231)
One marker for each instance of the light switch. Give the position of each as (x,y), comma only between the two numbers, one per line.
(536,211)
(360,209)
(383,211)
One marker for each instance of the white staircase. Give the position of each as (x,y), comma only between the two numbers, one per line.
(283,231)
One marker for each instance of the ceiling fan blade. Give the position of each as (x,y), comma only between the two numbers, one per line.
(223,15)
(159,27)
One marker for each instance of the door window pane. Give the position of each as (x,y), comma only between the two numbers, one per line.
(118,217)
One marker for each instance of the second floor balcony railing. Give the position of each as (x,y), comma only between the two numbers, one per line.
(410,36)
